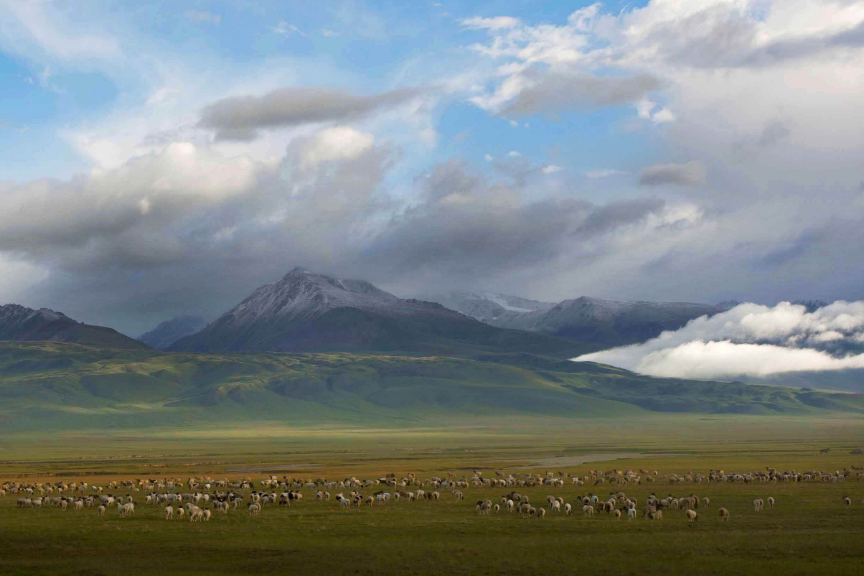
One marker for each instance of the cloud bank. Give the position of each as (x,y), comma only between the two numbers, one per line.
(751,340)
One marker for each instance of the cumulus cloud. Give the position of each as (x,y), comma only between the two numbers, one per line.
(689,174)
(240,117)
(751,340)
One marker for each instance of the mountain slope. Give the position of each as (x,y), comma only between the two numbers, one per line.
(60,386)
(305,311)
(168,332)
(25,324)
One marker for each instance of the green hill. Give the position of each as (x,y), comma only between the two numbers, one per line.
(54,385)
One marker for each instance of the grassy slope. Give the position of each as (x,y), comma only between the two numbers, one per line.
(59,385)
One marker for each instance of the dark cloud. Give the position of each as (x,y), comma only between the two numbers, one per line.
(550,92)
(240,117)
(689,174)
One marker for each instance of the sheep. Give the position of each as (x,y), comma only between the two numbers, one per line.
(206,515)
(847,501)
(692,516)
(568,509)
(556,506)
(63,505)
(497,508)
(631,514)
(541,512)
(254,509)
(758,504)
(770,502)
(510,505)
(618,514)
(588,510)
(181,512)
(706,502)
(724,514)
(100,511)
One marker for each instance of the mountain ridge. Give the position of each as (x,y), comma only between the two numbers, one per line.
(23,324)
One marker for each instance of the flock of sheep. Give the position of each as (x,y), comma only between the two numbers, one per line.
(198,498)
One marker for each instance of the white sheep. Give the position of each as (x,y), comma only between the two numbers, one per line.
(100,510)
(588,510)
(724,514)
(568,509)
(631,514)
(169,512)
(692,516)
(770,502)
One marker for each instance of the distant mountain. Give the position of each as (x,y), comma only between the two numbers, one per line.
(811,305)
(25,324)
(306,311)
(59,386)
(168,332)
(489,308)
(602,322)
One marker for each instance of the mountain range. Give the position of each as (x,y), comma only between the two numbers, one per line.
(590,320)
(306,311)
(26,324)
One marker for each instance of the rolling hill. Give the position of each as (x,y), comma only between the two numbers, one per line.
(306,312)
(24,324)
(62,386)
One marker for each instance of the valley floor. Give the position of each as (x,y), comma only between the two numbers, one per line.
(809,530)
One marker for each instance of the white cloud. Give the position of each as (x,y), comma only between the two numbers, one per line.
(286,29)
(327,33)
(551,169)
(339,143)
(750,340)
(514,154)
(488,158)
(497,23)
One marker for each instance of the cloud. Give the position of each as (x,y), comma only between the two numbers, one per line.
(203,16)
(751,340)
(547,92)
(240,117)
(595,174)
(551,169)
(689,174)
(497,23)
(286,29)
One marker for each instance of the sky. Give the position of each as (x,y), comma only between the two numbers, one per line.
(161,159)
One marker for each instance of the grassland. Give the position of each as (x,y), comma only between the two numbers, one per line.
(808,532)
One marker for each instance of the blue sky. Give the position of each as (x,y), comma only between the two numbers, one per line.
(166,158)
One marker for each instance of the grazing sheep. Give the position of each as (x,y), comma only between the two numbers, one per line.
(497,508)
(63,505)
(510,505)
(724,514)
(770,502)
(631,514)
(169,512)
(692,516)
(100,511)
(181,512)
(758,504)
(706,502)
(568,509)
(556,506)
(206,515)
(588,510)
(254,509)
(541,512)
(618,514)
(847,501)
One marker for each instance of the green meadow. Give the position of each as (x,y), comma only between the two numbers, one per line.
(809,530)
